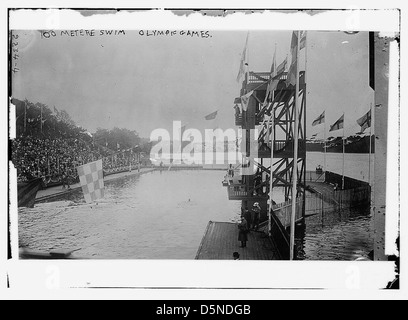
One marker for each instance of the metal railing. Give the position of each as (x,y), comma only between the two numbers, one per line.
(314,176)
(260,77)
(325,202)
(284,211)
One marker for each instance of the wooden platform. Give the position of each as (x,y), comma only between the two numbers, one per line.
(321,187)
(221,240)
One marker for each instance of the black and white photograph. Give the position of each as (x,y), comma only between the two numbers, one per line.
(165,143)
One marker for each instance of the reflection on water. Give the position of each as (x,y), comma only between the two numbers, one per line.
(344,235)
(160,215)
(163,215)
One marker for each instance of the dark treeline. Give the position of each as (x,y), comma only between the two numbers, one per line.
(39,121)
(121,139)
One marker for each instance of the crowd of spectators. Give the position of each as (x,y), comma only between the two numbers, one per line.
(51,146)
(50,159)
(55,160)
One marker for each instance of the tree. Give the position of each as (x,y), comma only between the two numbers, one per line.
(66,118)
(124,138)
(30,115)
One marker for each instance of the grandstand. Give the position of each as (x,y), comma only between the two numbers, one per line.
(49,145)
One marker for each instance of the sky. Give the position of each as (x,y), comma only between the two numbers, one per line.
(140,82)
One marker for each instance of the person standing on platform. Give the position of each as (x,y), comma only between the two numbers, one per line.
(248,217)
(231,171)
(64,180)
(256,216)
(243,232)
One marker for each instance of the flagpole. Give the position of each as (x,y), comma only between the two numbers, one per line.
(342,180)
(272,120)
(295,155)
(271,124)
(270,127)
(369,155)
(41,124)
(274,58)
(306,43)
(247,55)
(325,169)
(25,115)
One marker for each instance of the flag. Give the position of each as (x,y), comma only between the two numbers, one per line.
(245,100)
(271,87)
(302,39)
(365,121)
(211,116)
(292,73)
(338,124)
(273,67)
(27,191)
(293,46)
(243,67)
(319,120)
(272,84)
(281,68)
(91,180)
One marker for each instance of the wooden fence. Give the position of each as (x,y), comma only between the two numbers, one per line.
(325,202)
(352,198)
(349,183)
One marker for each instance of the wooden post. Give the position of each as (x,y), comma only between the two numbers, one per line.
(381,61)
(295,155)
(344,151)
(271,173)
(322,210)
(325,146)
(371,133)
